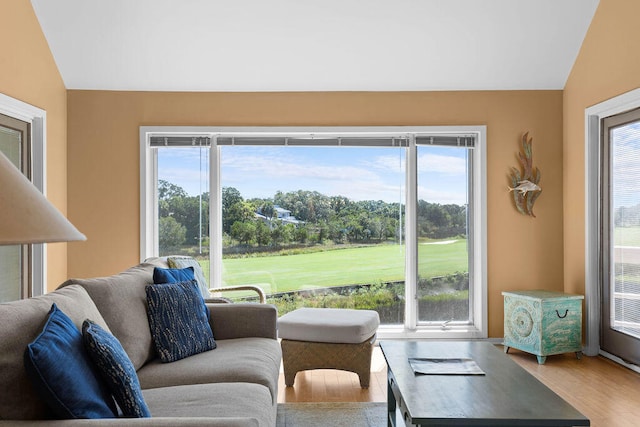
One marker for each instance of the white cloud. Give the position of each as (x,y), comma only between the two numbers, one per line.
(262,172)
(359,181)
(427,162)
(443,164)
(389,163)
(281,167)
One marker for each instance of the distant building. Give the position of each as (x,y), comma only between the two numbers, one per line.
(283,215)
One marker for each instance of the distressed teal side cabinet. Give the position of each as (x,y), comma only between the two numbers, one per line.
(543,323)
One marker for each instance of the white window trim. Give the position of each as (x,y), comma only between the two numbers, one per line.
(38,119)
(148,212)
(593,119)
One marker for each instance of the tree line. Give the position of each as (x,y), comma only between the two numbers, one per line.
(183,219)
(627,216)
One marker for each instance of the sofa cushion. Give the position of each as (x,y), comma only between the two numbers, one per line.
(251,360)
(179,320)
(122,300)
(20,323)
(331,325)
(172,275)
(115,369)
(227,400)
(62,373)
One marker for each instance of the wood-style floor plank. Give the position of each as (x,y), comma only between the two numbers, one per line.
(605,392)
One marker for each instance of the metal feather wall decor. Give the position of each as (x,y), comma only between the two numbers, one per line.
(525,181)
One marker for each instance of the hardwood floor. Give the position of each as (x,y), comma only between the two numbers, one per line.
(605,392)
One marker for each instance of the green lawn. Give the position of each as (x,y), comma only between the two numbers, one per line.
(373,264)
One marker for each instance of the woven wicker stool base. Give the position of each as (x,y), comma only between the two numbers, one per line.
(305,355)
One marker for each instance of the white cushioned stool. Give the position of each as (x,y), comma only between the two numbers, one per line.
(328,338)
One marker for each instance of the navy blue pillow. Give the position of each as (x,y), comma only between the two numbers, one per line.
(173,275)
(178,318)
(62,373)
(116,369)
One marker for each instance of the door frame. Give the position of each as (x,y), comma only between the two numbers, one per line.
(593,128)
(37,117)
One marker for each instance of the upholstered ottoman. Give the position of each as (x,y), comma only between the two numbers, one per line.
(328,338)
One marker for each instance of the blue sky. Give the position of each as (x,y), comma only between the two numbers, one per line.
(354,172)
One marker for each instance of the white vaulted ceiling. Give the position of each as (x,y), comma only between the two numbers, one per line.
(304,45)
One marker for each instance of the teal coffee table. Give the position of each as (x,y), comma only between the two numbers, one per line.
(506,395)
(543,323)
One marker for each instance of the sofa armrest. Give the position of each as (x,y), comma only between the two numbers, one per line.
(135,422)
(242,320)
(262,297)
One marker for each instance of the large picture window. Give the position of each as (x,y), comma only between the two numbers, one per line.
(384,219)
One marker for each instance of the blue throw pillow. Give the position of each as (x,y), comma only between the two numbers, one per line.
(116,369)
(62,373)
(178,318)
(186,261)
(172,275)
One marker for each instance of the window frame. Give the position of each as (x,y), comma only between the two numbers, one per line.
(411,327)
(37,118)
(593,122)
(24,129)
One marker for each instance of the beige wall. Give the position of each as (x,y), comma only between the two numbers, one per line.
(28,73)
(608,65)
(103,158)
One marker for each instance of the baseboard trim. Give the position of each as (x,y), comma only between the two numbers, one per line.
(619,361)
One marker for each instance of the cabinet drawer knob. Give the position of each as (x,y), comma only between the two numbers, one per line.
(565,314)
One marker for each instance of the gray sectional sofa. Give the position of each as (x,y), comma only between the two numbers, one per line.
(232,385)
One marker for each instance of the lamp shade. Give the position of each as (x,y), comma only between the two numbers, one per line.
(26,216)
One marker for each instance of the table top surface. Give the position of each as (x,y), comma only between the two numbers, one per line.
(543,295)
(505,395)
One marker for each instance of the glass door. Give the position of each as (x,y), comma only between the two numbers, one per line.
(15,259)
(620,252)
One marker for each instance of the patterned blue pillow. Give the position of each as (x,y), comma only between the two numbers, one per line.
(172,275)
(178,318)
(116,369)
(62,373)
